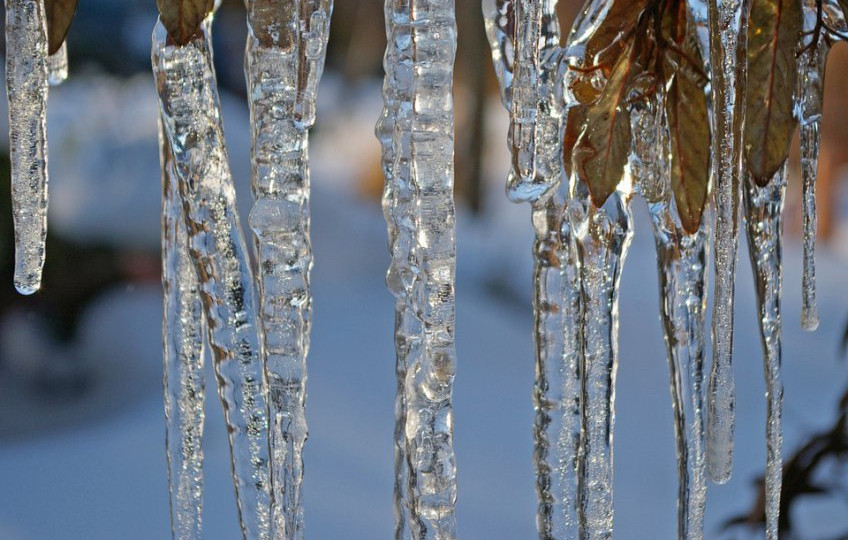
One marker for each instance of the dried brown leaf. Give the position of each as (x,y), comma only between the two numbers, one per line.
(182,18)
(60,14)
(613,35)
(686,110)
(602,147)
(773,34)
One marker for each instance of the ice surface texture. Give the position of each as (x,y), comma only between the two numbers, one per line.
(284,59)
(26,88)
(416,131)
(190,110)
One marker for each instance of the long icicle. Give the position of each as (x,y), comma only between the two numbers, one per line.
(681,265)
(728,40)
(26,89)
(602,236)
(809,96)
(284,59)
(182,335)
(556,392)
(536,145)
(764,213)
(398,210)
(190,108)
(420,80)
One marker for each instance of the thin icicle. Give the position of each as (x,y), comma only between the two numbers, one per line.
(556,392)
(764,212)
(809,96)
(26,89)
(420,215)
(182,334)
(728,40)
(681,262)
(282,78)
(602,236)
(57,65)
(190,110)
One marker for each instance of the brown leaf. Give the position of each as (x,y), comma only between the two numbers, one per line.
(182,18)
(274,22)
(59,14)
(602,147)
(773,34)
(613,34)
(686,110)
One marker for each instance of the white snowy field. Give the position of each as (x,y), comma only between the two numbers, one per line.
(105,477)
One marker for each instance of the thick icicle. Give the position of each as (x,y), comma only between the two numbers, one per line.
(57,65)
(418,107)
(182,334)
(681,262)
(26,89)
(190,108)
(398,209)
(282,76)
(728,40)
(764,211)
(602,236)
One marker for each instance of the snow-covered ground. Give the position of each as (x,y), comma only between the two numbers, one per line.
(105,477)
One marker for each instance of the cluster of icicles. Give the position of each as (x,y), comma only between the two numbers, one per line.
(259,342)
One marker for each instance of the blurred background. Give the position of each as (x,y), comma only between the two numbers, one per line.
(81,416)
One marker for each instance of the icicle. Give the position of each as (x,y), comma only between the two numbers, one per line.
(182,332)
(556,395)
(764,211)
(57,65)
(602,236)
(420,214)
(681,262)
(26,89)
(499,16)
(398,209)
(728,39)
(809,94)
(282,76)
(536,144)
(535,134)
(191,115)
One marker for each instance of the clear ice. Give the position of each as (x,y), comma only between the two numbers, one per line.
(728,40)
(190,109)
(57,65)
(26,89)
(681,263)
(417,124)
(183,328)
(282,76)
(524,38)
(812,60)
(764,214)
(602,236)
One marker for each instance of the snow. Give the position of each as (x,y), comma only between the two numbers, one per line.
(105,478)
